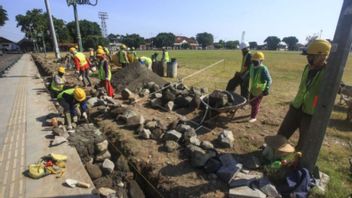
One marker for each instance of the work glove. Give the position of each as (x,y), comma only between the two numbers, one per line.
(265,92)
(75,119)
(84,115)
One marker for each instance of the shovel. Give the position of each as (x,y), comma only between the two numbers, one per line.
(74,183)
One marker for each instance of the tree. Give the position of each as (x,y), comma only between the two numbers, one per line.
(132,40)
(253,45)
(164,40)
(291,42)
(272,42)
(87,28)
(185,46)
(205,39)
(92,41)
(232,44)
(3,16)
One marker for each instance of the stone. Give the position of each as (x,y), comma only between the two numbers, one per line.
(103,182)
(171,146)
(212,165)
(158,95)
(251,162)
(102,146)
(246,192)
(145,133)
(212,176)
(229,167)
(183,128)
(194,140)
(199,157)
(108,165)
(93,171)
(134,190)
(266,187)
(150,85)
(226,139)
(206,145)
(100,102)
(157,133)
(122,164)
(155,102)
(144,92)
(218,99)
(172,135)
(131,118)
(182,102)
(110,100)
(58,131)
(189,134)
(170,105)
(106,192)
(127,94)
(322,181)
(103,156)
(151,124)
(58,140)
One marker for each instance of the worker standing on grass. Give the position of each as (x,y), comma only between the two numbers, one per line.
(122,54)
(165,58)
(105,73)
(259,83)
(74,103)
(242,78)
(58,81)
(304,104)
(146,61)
(82,65)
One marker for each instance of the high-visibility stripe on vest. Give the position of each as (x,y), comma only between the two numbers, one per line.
(166,57)
(82,59)
(122,57)
(67,91)
(102,71)
(255,80)
(56,87)
(307,96)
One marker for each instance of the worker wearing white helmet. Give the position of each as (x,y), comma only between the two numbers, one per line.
(242,78)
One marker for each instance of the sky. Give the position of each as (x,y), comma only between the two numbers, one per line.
(225,19)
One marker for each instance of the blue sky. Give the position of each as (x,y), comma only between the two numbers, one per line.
(225,19)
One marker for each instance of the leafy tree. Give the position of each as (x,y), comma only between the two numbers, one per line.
(164,40)
(3,16)
(272,42)
(87,28)
(232,44)
(112,38)
(205,39)
(291,42)
(253,45)
(220,44)
(185,46)
(132,40)
(92,41)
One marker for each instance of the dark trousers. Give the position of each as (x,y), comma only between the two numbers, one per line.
(295,119)
(85,75)
(255,103)
(236,81)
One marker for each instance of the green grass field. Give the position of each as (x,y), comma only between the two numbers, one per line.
(286,69)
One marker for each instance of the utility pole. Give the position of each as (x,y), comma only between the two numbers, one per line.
(52,30)
(341,46)
(103,16)
(79,39)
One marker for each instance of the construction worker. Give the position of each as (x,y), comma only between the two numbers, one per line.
(82,65)
(259,83)
(242,78)
(122,54)
(165,56)
(146,61)
(74,103)
(303,105)
(134,54)
(58,81)
(105,72)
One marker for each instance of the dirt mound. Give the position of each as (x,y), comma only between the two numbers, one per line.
(133,77)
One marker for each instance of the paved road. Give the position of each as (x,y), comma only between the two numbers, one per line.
(24,106)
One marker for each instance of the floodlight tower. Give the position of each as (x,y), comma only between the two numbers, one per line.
(103,16)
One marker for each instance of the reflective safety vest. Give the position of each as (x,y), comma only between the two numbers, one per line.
(255,80)
(146,60)
(166,57)
(244,58)
(107,51)
(56,87)
(307,96)
(102,71)
(67,91)
(82,59)
(122,57)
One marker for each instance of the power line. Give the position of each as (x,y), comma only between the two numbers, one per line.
(103,16)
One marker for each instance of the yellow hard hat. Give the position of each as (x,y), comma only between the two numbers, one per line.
(100,47)
(61,69)
(258,56)
(72,49)
(100,52)
(79,94)
(123,46)
(319,46)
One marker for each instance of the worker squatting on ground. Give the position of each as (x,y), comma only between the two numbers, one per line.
(303,106)
(82,65)
(165,58)
(104,72)
(74,104)
(146,61)
(242,78)
(259,83)
(58,81)
(122,55)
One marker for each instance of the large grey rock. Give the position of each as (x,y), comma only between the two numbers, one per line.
(134,190)
(183,128)
(246,192)
(108,165)
(131,118)
(144,92)
(189,134)
(151,124)
(199,156)
(206,145)
(93,171)
(127,94)
(172,135)
(102,146)
(266,187)
(230,167)
(145,133)
(91,101)
(226,139)
(171,146)
(107,192)
(103,156)
(194,140)
(122,164)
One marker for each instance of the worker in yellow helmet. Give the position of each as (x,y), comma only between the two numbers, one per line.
(58,81)
(104,72)
(259,83)
(82,65)
(74,103)
(303,106)
(146,61)
(122,54)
